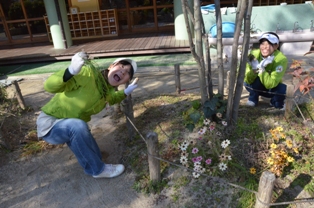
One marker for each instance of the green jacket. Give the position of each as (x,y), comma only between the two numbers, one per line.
(79,97)
(273,73)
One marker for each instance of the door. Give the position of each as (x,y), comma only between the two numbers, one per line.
(141,16)
(3,28)
(22,21)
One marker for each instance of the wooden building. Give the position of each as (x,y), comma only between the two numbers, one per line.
(25,21)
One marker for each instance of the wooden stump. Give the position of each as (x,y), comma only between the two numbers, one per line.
(154,164)
(265,190)
(19,96)
(129,113)
(289,100)
(177,78)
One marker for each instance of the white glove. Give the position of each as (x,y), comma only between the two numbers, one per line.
(77,62)
(254,63)
(261,66)
(130,88)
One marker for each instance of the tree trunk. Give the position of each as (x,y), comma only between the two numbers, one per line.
(196,46)
(234,59)
(210,89)
(244,55)
(219,48)
(199,49)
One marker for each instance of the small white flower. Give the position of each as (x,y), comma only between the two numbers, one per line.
(183,160)
(185,143)
(229,157)
(223,157)
(224,123)
(192,142)
(183,147)
(206,121)
(218,133)
(196,175)
(222,166)
(197,164)
(225,143)
(184,154)
(197,169)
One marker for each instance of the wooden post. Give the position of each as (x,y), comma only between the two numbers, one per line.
(154,164)
(177,78)
(289,100)
(265,190)
(128,112)
(116,107)
(19,96)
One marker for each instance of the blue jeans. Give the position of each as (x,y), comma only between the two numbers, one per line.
(76,134)
(277,94)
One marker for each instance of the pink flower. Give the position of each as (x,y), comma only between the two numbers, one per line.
(194,159)
(194,150)
(199,158)
(224,123)
(208,161)
(211,127)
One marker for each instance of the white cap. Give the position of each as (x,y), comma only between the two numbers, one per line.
(133,63)
(270,37)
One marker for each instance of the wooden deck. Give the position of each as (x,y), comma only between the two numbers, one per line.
(148,44)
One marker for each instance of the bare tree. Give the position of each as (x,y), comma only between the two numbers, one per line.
(243,61)
(200,51)
(196,46)
(219,48)
(244,10)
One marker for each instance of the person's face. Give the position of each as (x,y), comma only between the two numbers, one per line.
(267,49)
(119,74)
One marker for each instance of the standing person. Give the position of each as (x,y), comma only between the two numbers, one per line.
(264,73)
(81,91)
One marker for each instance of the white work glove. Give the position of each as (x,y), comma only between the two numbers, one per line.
(130,88)
(77,62)
(261,66)
(254,63)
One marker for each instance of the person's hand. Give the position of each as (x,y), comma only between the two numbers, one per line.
(131,87)
(261,66)
(77,62)
(265,62)
(254,63)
